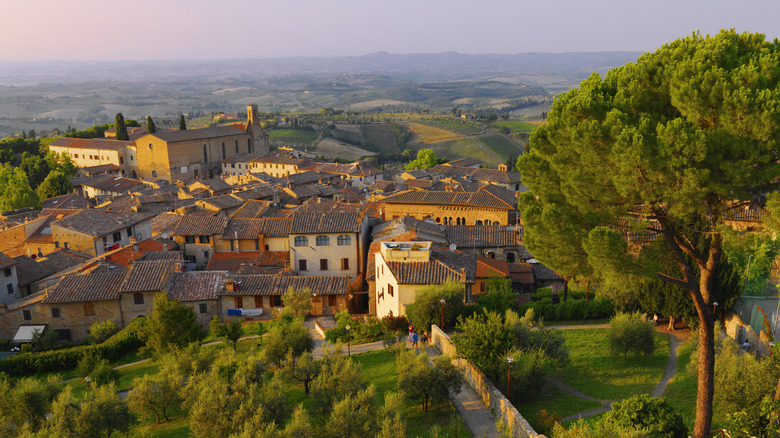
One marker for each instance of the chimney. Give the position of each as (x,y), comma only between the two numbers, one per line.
(231,286)
(462,275)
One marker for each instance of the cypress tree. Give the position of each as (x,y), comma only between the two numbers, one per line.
(121,129)
(150,128)
(182,123)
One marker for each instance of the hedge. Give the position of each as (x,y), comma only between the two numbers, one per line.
(570,310)
(112,349)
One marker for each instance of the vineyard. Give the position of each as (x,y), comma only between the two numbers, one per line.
(429,134)
(459,127)
(515,125)
(292,137)
(501,145)
(460,148)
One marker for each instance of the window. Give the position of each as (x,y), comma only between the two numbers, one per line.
(276,300)
(7,272)
(117,236)
(10,288)
(332,300)
(249,145)
(232,245)
(138,298)
(236,146)
(203,239)
(191,259)
(55,312)
(89,309)
(26,315)
(301,265)
(203,308)
(105,240)
(258,301)
(344,239)
(301,241)
(390,289)
(266,247)
(239,302)
(151,146)
(345,263)
(323,264)
(257,244)
(323,240)
(205,154)
(482,286)
(232,165)
(223,151)
(121,160)
(154,174)
(129,231)
(131,158)
(189,239)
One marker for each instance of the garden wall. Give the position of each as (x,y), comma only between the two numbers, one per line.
(490,395)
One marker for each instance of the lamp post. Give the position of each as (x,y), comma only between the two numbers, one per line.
(442,313)
(349,353)
(509,359)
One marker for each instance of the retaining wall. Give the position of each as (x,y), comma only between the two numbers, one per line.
(491,396)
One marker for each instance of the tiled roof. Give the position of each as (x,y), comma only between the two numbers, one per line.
(432,272)
(497,176)
(310,223)
(70,200)
(256,193)
(241,158)
(279,158)
(196,286)
(252,228)
(252,209)
(482,236)
(221,202)
(278,284)
(147,275)
(100,168)
(214,184)
(197,225)
(462,162)
(113,183)
(197,134)
(505,195)
(480,198)
(521,273)
(29,271)
(93,286)
(6,262)
(100,223)
(92,143)
(542,273)
(162,223)
(163,255)
(233,261)
(487,267)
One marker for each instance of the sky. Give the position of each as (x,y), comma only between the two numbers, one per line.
(229,29)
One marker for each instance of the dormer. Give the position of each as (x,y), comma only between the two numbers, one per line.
(406,251)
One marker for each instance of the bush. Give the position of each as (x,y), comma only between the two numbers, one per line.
(630,333)
(100,331)
(570,310)
(526,376)
(67,359)
(652,415)
(426,309)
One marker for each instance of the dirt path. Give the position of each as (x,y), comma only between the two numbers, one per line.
(671,367)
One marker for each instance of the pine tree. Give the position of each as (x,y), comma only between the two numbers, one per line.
(121,130)
(182,123)
(150,127)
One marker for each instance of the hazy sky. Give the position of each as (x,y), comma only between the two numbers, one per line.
(201,29)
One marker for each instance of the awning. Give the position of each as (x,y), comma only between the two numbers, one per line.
(25,332)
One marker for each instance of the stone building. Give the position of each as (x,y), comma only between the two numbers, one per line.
(448,208)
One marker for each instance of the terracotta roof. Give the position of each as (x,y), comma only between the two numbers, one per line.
(100,223)
(214,184)
(221,202)
(165,222)
(197,134)
(197,286)
(256,193)
(252,228)
(252,209)
(241,158)
(480,198)
(7,262)
(100,168)
(542,273)
(112,183)
(521,273)
(487,267)
(463,162)
(432,272)
(233,261)
(311,223)
(497,176)
(278,284)
(70,200)
(482,236)
(91,143)
(197,225)
(147,275)
(93,286)
(29,271)
(163,255)
(279,158)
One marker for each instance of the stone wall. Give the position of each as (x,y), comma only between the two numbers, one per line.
(739,331)
(491,396)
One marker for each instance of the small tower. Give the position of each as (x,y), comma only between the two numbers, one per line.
(502,167)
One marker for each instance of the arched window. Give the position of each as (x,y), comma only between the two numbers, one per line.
(135,175)
(249,145)
(344,239)
(205,154)
(457,221)
(323,240)
(154,174)
(223,151)
(301,241)
(236,146)
(138,298)
(478,222)
(89,309)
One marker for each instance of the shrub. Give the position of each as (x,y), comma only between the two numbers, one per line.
(426,309)
(630,333)
(570,310)
(100,331)
(653,415)
(546,421)
(526,375)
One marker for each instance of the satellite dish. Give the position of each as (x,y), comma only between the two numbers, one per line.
(164,235)
(453,247)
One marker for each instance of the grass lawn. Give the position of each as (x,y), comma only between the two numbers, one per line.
(593,371)
(556,401)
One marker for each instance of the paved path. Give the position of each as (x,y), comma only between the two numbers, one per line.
(671,367)
(478,418)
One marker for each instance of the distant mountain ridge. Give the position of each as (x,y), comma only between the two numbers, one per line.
(569,67)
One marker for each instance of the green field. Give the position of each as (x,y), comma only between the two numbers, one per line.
(281,137)
(515,125)
(501,145)
(454,125)
(460,148)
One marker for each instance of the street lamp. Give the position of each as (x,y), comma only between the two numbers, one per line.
(442,313)
(349,353)
(509,359)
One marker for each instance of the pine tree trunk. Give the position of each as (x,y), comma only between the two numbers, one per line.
(671,322)
(706,362)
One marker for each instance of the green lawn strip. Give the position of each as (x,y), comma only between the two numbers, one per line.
(593,371)
(681,391)
(578,322)
(177,427)
(555,401)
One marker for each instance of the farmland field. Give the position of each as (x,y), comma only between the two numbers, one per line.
(501,145)
(336,149)
(460,148)
(430,134)
(456,126)
(515,125)
(292,137)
